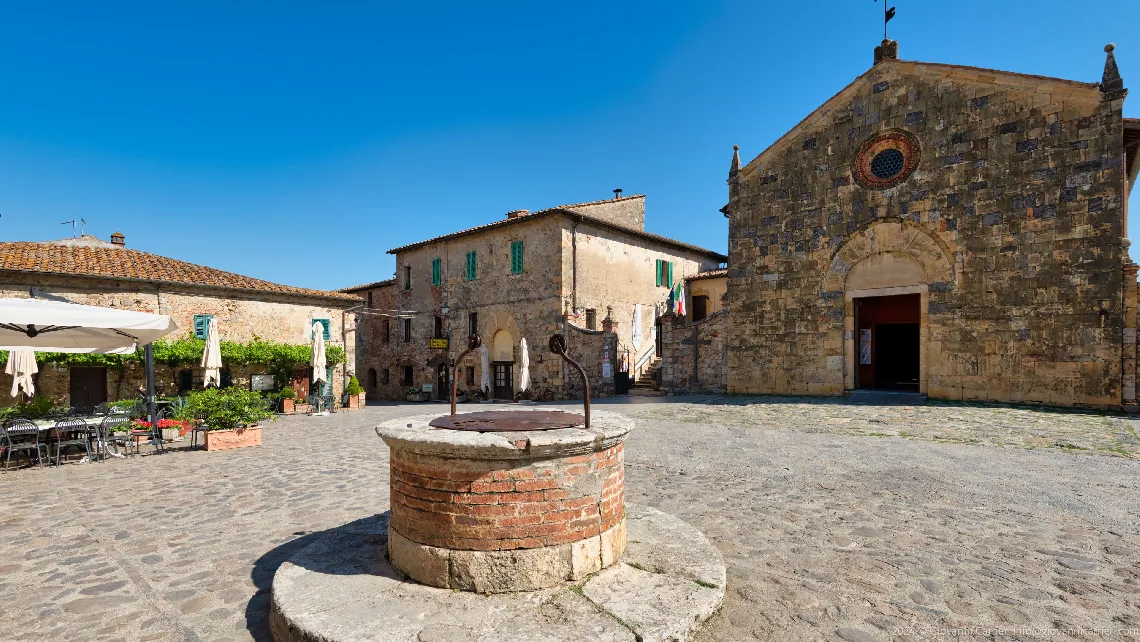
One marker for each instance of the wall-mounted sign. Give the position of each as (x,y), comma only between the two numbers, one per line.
(262,382)
(438,343)
(427,387)
(865,347)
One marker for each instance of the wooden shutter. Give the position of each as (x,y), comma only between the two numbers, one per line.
(670,283)
(471,269)
(657,272)
(436,272)
(516,257)
(324,324)
(202,325)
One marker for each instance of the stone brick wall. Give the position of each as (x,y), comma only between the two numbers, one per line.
(241,317)
(628,211)
(478,505)
(1014,218)
(377,347)
(677,348)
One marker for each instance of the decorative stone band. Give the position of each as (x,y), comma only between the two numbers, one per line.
(468,507)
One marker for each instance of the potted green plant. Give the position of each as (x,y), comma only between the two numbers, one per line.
(417,394)
(231,417)
(287,396)
(355,393)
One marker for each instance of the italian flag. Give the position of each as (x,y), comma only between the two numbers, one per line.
(679,297)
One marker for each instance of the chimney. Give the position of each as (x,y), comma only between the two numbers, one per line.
(118,239)
(517,213)
(617,193)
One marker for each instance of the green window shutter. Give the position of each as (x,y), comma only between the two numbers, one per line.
(657,272)
(201,325)
(516,257)
(471,267)
(436,272)
(670,283)
(325,324)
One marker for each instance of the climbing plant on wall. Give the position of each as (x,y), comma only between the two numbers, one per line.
(187,352)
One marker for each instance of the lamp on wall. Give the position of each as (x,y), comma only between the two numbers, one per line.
(444,310)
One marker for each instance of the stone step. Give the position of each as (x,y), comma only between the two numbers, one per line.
(887,397)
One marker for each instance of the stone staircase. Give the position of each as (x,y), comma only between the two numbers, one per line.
(646,384)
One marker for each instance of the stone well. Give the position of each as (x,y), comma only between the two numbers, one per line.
(496,512)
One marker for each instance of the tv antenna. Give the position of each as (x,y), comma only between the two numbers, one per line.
(82,224)
(72,222)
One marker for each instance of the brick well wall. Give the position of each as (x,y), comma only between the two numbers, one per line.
(502,505)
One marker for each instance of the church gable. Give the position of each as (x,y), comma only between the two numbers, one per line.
(993,200)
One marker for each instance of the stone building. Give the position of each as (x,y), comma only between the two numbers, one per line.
(580,270)
(694,347)
(90,271)
(941,229)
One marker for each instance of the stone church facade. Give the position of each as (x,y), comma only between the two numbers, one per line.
(948,230)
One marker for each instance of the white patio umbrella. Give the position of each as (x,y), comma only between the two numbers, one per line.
(635,336)
(485,365)
(22,365)
(57,326)
(212,356)
(318,360)
(524,367)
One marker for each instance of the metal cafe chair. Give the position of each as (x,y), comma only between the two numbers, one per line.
(108,436)
(21,434)
(70,432)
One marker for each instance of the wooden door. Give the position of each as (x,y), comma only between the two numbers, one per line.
(88,386)
(503,381)
(442,382)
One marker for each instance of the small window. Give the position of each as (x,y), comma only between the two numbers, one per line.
(436,272)
(664,273)
(202,325)
(472,323)
(472,270)
(407,330)
(407,277)
(372,378)
(470,375)
(407,375)
(387,330)
(325,324)
(591,319)
(439,327)
(516,257)
(370,298)
(384,375)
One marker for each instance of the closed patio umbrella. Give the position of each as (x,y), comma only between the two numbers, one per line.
(212,356)
(318,360)
(485,365)
(524,367)
(22,365)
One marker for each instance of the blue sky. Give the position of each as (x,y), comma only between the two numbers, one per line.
(298,143)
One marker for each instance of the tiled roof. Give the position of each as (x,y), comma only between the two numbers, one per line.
(369,286)
(122,263)
(565,210)
(710,274)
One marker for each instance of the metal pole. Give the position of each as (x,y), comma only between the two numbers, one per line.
(148,353)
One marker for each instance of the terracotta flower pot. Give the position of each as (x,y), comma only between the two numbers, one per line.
(287,406)
(228,439)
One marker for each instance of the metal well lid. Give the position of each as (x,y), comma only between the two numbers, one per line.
(509,420)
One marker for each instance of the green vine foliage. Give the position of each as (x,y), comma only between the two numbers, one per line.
(187,351)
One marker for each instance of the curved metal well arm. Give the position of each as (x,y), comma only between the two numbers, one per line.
(473,342)
(558,347)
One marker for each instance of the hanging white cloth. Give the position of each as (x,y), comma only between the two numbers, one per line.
(318,360)
(635,337)
(22,365)
(524,367)
(212,356)
(485,365)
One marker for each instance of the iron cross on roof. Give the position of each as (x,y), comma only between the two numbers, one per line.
(887,15)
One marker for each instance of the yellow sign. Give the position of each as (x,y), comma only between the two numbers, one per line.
(438,343)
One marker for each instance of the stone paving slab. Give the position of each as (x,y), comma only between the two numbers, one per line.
(341,588)
(827,533)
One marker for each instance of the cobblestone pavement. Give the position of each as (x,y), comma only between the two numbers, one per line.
(827,535)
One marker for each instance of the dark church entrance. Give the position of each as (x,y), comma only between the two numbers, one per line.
(887,342)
